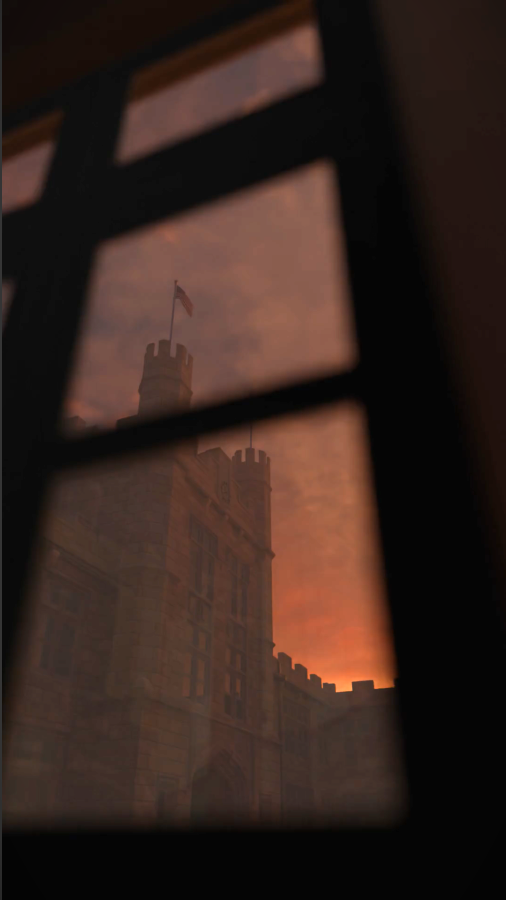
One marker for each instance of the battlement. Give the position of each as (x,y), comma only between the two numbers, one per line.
(252,467)
(163,363)
(166,379)
(298,676)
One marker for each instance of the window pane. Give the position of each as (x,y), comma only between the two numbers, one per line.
(234,88)
(28,152)
(265,272)
(315,663)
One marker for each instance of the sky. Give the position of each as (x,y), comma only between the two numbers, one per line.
(266,272)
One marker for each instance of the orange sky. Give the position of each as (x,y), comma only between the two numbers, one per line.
(266,273)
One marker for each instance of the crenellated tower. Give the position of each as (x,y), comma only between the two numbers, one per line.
(166,380)
(254,479)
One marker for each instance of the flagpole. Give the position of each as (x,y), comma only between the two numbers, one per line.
(173,311)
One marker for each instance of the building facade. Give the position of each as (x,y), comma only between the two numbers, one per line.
(147,687)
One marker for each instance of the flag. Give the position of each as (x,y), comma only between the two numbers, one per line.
(185,300)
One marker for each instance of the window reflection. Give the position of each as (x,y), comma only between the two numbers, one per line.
(143,692)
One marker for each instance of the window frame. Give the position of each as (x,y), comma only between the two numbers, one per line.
(49,249)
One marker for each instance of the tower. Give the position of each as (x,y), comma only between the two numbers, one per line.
(166,380)
(254,479)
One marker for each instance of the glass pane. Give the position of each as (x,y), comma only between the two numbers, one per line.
(109,685)
(234,88)
(24,172)
(266,275)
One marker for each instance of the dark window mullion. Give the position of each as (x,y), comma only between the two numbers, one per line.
(440,582)
(296,398)
(44,319)
(239,154)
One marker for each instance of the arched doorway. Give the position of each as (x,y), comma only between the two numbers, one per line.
(218,795)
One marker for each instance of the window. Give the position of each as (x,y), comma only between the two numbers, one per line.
(297,734)
(235,659)
(183,102)
(196,677)
(236,635)
(203,552)
(57,647)
(200,610)
(198,635)
(66,597)
(235,695)
(297,740)
(239,581)
(85,185)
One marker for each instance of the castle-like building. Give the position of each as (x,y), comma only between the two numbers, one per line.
(147,688)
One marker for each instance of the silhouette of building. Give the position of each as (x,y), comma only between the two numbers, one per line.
(147,685)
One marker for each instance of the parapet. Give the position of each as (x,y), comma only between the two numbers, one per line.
(162,363)
(252,467)
(297,675)
(362,687)
(166,380)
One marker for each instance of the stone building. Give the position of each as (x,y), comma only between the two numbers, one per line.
(147,688)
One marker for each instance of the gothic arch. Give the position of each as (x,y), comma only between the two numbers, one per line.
(220,792)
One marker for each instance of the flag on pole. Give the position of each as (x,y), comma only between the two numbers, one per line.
(185,300)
